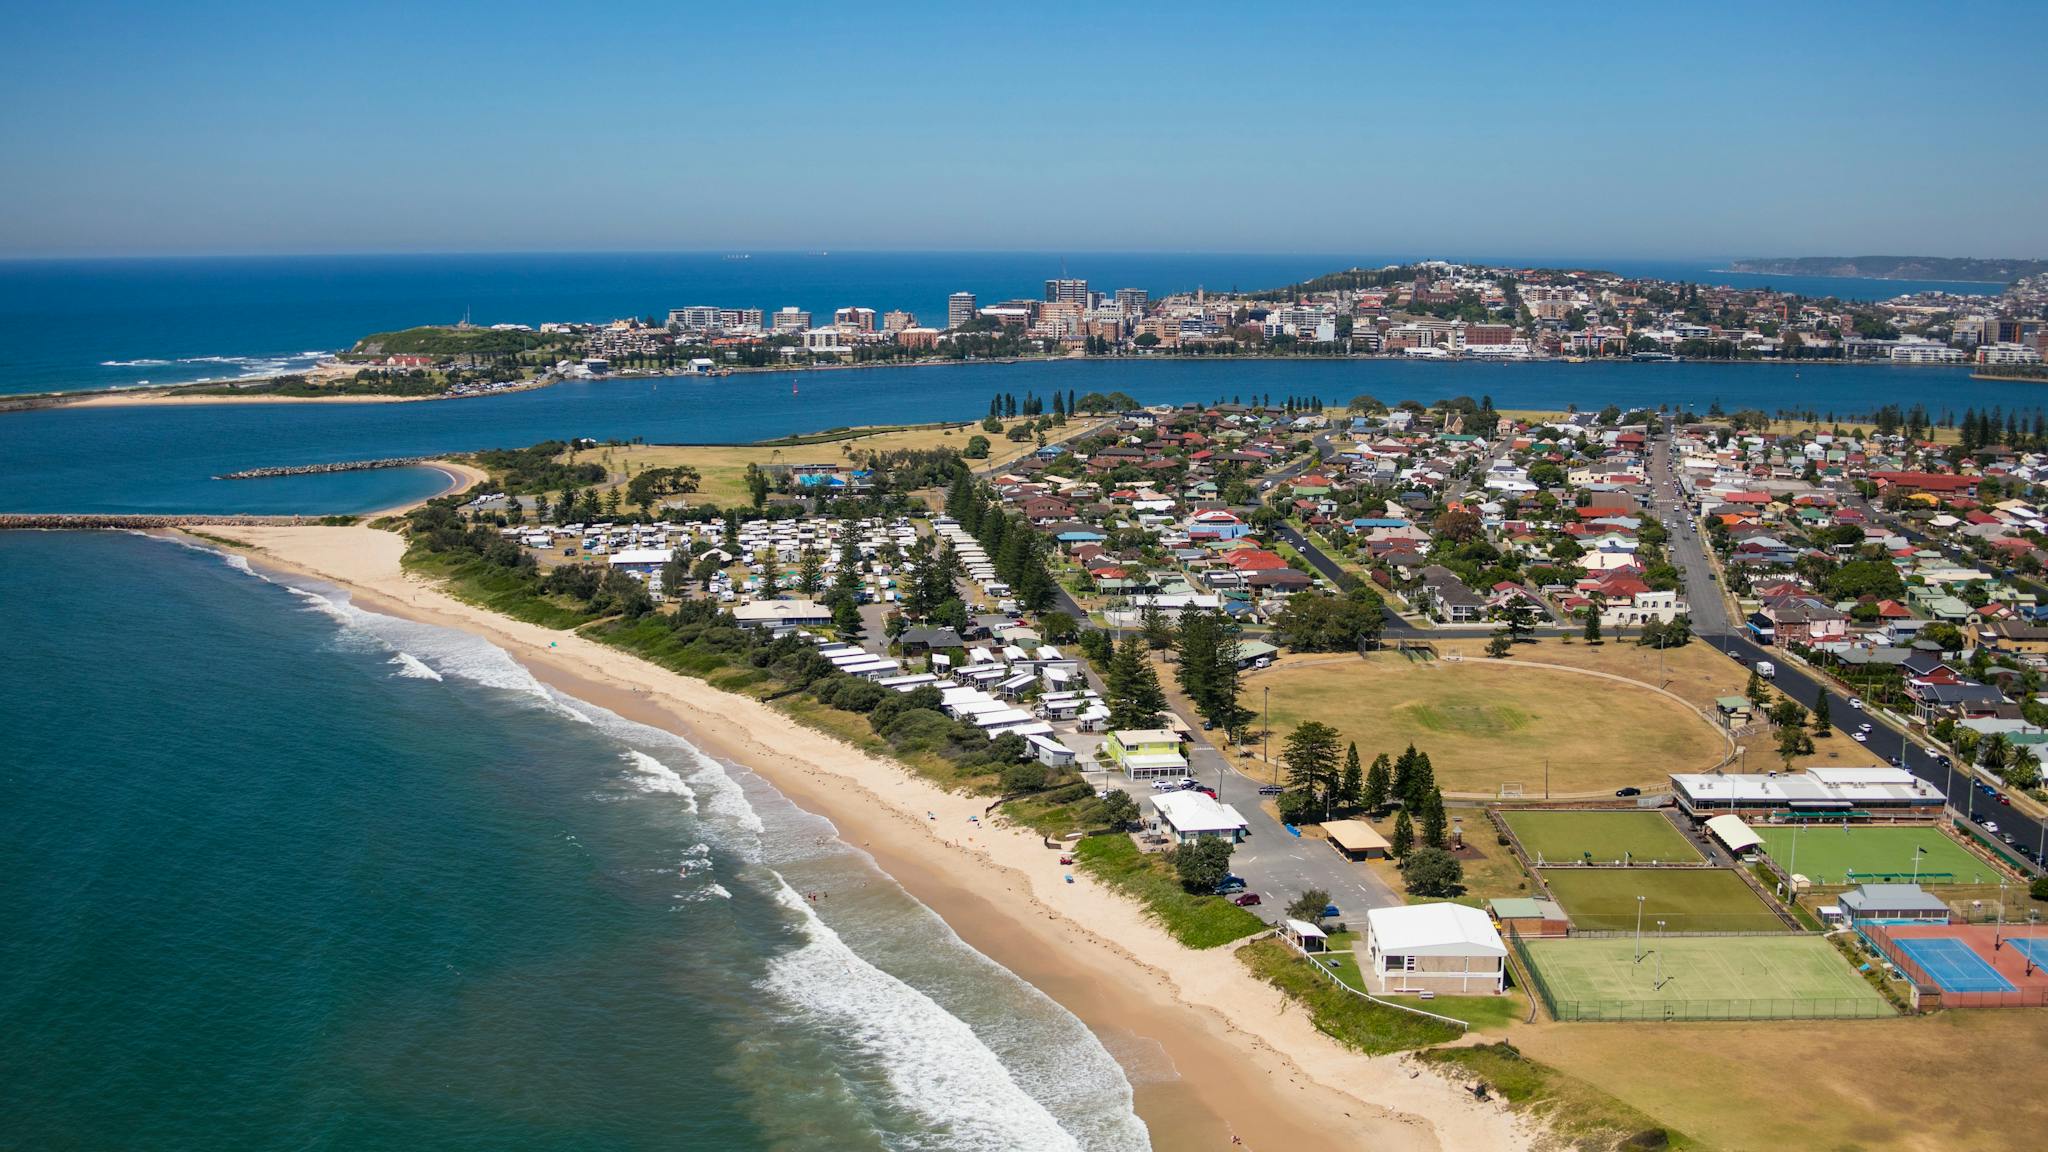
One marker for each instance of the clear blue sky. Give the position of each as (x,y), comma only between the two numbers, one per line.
(1526,130)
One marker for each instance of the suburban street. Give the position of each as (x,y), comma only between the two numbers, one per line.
(1712,625)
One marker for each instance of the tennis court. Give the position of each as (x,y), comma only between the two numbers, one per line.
(1969,965)
(1698,978)
(2034,948)
(1829,853)
(1953,966)
(1685,899)
(1602,837)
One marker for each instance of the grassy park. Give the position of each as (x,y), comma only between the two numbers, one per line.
(1608,837)
(1827,853)
(1686,899)
(723,467)
(1741,977)
(1484,724)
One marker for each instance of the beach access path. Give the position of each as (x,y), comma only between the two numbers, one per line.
(1212,1053)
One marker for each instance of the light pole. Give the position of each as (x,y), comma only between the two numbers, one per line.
(1266,734)
(1639,929)
(1659,986)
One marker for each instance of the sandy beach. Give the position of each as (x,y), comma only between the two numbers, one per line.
(1212,1054)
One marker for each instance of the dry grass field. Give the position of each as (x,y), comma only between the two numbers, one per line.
(1910,1084)
(1483,722)
(1697,673)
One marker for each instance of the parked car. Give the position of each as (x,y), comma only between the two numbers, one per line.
(1230,884)
(1991,826)
(1331,912)
(1865,727)
(1860,737)
(1856,702)
(1248,900)
(2004,799)
(1270,790)
(1631,791)
(1986,789)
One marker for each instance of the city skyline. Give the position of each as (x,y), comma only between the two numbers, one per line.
(240,130)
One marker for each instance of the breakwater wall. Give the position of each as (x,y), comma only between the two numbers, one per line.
(84,520)
(318,469)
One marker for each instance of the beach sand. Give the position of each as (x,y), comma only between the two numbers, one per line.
(1211,1053)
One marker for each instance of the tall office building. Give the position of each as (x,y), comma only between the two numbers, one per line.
(792,319)
(1066,292)
(960,310)
(1131,301)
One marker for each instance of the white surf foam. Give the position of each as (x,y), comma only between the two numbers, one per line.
(143,363)
(654,776)
(413,668)
(935,1064)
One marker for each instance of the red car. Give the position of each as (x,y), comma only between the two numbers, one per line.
(1247,900)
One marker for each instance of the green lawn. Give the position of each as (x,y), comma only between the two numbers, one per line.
(1826,854)
(1196,921)
(1609,836)
(1704,977)
(1686,899)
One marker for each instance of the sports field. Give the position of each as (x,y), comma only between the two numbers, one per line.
(1485,723)
(1687,900)
(1609,836)
(1734,978)
(1827,853)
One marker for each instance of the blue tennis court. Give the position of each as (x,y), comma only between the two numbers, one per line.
(1952,965)
(2034,948)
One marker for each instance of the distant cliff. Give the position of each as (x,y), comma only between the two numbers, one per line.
(1897,267)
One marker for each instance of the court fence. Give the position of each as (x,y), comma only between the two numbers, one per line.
(1928,994)
(1679,1011)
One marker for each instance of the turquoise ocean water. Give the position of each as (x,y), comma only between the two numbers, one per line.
(279,873)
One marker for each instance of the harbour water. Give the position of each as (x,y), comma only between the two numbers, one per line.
(119,323)
(163,459)
(279,872)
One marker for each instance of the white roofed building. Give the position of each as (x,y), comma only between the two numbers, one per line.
(1191,815)
(1445,948)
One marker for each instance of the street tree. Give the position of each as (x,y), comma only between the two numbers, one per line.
(1312,762)
(1309,905)
(1202,865)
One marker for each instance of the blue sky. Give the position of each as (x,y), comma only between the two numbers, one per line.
(1533,130)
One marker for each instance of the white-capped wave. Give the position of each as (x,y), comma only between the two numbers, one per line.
(413,668)
(654,776)
(143,363)
(936,1065)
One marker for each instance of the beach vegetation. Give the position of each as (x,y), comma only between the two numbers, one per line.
(1195,919)
(1344,1016)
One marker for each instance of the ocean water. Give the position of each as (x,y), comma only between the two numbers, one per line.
(163,459)
(276,872)
(72,324)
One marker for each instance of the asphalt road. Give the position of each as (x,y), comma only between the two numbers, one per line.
(1712,625)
